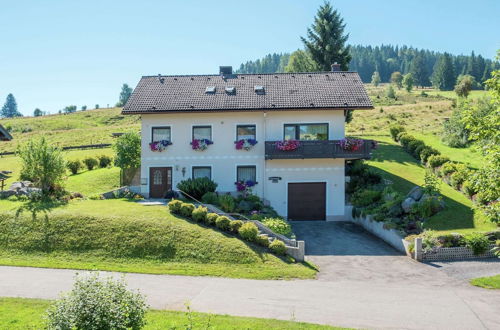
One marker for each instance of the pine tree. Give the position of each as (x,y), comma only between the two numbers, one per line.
(376,78)
(419,71)
(124,95)
(326,41)
(9,109)
(443,77)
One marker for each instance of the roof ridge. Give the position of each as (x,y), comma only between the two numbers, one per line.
(249,74)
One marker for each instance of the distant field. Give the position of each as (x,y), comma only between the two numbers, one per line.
(78,128)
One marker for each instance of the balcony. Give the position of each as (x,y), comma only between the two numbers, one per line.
(319,149)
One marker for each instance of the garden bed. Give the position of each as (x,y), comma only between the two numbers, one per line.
(454,253)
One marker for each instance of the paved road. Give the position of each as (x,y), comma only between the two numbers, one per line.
(366,286)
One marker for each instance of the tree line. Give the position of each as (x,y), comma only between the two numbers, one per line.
(428,68)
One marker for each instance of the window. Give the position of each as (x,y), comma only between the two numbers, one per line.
(202,132)
(306,132)
(202,172)
(245,173)
(160,133)
(245,132)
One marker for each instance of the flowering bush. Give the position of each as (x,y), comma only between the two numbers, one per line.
(351,144)
(159,146)
(201,144)
(287,145)
(244,185)
(245,144)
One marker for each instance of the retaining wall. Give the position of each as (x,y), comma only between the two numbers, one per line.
(390,236)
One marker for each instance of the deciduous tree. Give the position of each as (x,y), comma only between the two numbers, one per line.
(301,61)
(397,79)
(376,78)
(408,82)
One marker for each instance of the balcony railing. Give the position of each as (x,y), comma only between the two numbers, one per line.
(319,149)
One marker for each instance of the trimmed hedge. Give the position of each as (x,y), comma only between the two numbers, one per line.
(248,231)
(278,247)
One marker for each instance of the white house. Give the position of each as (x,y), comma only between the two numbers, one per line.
(305,182)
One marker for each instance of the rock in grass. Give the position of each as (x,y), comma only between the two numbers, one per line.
(407,204)
(416,193)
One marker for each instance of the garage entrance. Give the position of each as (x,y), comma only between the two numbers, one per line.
(307,201)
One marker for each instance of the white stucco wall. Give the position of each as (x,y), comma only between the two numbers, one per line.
(224,158)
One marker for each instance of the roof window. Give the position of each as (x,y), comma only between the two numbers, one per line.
(230,90)
(210,90)
(259,89)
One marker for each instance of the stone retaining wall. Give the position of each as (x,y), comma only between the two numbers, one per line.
(453,253)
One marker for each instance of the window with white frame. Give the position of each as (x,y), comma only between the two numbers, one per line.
(246,173)
(245,132)
(202,132)
(202,172)
(160,133)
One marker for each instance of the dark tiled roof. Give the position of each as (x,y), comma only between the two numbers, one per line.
(323,90)
(4,134)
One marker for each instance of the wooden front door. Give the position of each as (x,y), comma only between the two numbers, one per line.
(160,181)
(307,201)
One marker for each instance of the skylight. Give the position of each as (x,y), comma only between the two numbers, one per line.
(259,89)
(230,90)
(210,90)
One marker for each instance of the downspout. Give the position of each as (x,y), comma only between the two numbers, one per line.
(265,161)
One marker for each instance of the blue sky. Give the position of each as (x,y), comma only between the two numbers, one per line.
(57,53)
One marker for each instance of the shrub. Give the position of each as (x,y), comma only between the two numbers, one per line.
(413,145)
(447,169)
(235,225)
(222,222)
(395,130)
(90,163)
(365,197)
(104,161)
(461,174)
(427,152)
(42,164)
(196,188)
(262,240)
(278,225)
(405,140)
(187,209)
(199,214)
(175,206)
(468,188)
(248,231)
(74,166)
(227,203)
(477,242)
(211,218)
(278,247)
(436,161)
(98,304)
(210,198)
(401,135)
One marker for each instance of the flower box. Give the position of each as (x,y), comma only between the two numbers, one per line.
(200,144)
(159,146)
(244,185)
(245,144)
(348,144)
(287,145)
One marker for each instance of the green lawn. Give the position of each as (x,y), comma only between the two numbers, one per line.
(492,282)
(121,235)
(395,164)
(18,313)
(85,182)
(452,95)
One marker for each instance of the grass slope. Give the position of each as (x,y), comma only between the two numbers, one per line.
(121,235)
(492,282)
(396,165)
(18,313)
(78,128)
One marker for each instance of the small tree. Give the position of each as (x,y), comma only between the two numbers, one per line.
(389,92)
(9,109)
(124,95)
(97,106)
(98,304)
(84,107)
(408,82)
(464,85)
(301,61)
(37,113)
(42,164)
(69,109)
(376,78)
(397,79)
(128,150)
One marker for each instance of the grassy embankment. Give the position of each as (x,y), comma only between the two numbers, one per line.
(491,282)
(18,313)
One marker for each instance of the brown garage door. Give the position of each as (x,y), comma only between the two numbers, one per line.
(307,201)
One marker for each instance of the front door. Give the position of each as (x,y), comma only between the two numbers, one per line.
(160,181)
(307,201)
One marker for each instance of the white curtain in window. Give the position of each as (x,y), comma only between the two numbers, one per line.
(246,132)
(202,133)
(202,172)
(161,134)
(246,173)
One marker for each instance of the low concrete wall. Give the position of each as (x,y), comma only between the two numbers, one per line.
(453,253)
(390,236)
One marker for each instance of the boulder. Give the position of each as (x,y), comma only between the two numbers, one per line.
(396,210)
(416,193)
(407,204)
